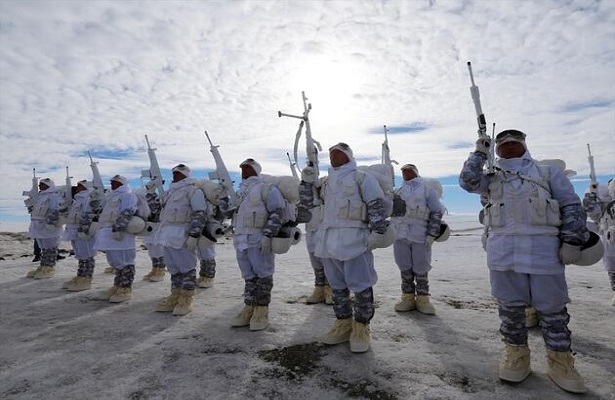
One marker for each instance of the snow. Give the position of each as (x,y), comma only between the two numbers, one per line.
(63,345)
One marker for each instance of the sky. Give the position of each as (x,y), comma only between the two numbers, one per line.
(79,76)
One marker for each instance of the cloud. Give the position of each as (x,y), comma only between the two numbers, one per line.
(98,76)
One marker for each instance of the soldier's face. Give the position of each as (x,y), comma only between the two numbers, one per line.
(511,150)
(115,185)
(408,174)
(178,176)
(247,171)
(338,158)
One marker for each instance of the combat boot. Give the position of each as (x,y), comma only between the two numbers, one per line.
(339,333)
(46,272)
(515,364)
(317,296)
(168,303)
(329,295)
(260,318)
(423,305)
(67,284)
(109,270)
(82,283)
(561,370)
(121,294)
(106,294)
(244,316)
(205,282)
(33,272)
(407,303)
(359,337)
(184,302)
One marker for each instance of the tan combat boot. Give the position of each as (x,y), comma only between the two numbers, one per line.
(184,302)
(168,303)
(121,294)
(33,272)
(329,295)
(109,270)
(205,282)
(359,337)
(155,275)
(515,364)
(82,283)
(339,333)
(407,303)
(317,296)
(46,272)
(244,316)
(67,284)
(106,294)
(423,305)
(561,370)
(260,318)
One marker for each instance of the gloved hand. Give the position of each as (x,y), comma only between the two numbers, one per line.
(118,235)
(308,175)
(151,186)
(192,243)
(50,227)
(590,200)
(429,240)
(483,144)
(399,206)
(265,245)
(83,235)
(569,254)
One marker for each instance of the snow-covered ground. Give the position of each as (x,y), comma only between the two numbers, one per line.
(62,345)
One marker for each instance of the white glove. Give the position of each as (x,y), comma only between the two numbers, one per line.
(265,245)
(50,227)
(83,235)
(569,254)
(192,243)
(483,144)
(429,240)
(118,235)
(308,175)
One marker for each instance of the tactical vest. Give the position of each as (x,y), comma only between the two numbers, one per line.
(176,209)
(533,204)
(252,214)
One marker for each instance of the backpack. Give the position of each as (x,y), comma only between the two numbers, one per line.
(143,210)
(382,173)
(289,187)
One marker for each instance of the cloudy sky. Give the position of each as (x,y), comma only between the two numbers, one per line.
(98,76)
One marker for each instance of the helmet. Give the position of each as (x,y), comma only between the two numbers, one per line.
(280,245)
(135,225)
(592,251)
(445,232)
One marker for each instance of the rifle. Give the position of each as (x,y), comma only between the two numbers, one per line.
(593,186)
(386,155)
(221,174)
(293,169)
(99,187)
(68,193)
(153,173)
(482,124)
(32,193)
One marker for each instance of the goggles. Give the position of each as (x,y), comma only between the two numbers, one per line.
(511,134)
